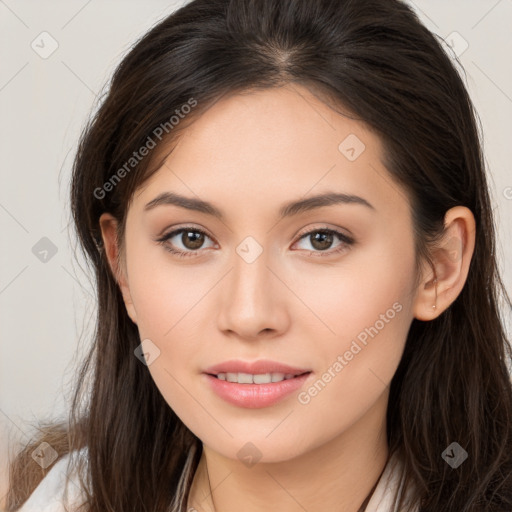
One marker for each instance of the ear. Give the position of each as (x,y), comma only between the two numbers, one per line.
(108,225)
(451,258)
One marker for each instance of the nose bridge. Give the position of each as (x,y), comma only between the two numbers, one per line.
(250,273)
(249,299)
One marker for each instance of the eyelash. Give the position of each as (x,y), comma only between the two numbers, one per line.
(347,241)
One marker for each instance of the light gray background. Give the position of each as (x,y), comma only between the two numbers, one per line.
(46,309)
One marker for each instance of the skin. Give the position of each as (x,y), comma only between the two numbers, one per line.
(248,155)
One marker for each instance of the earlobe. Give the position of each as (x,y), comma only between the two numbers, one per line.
(108,225)
(451,258)
(426,305)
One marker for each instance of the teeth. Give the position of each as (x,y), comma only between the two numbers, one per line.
(249,378)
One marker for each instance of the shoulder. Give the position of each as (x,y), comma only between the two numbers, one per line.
(59,489)
(390,481)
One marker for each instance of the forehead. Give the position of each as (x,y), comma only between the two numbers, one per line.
(267,147)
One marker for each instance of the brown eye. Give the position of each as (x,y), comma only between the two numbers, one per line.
(321,240)
(192,239)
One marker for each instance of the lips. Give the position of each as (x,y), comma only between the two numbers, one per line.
(255,384)
(262,366)
(255,396)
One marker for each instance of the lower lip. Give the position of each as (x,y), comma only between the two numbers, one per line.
(255,395)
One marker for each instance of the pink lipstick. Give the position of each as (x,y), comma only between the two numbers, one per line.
(255,384)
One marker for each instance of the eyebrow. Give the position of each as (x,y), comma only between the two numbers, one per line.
(287,210)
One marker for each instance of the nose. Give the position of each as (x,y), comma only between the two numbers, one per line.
(252,300)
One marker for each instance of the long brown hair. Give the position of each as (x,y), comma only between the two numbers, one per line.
(374,59)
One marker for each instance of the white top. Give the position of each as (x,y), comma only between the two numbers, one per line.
(49,494)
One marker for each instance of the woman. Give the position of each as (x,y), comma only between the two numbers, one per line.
(286,208)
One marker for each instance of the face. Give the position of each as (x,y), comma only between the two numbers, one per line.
(326,290)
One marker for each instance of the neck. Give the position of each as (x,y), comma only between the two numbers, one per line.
(337,475)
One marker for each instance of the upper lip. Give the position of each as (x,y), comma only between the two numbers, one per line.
(254,367)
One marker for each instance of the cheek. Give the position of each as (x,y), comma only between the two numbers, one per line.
(367,308)
(169,301)
(358,363)
(165,294)
(168,305)
(367,288)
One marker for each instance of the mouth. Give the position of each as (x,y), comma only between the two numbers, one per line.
(255,384)
(259,378)
(256,391)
